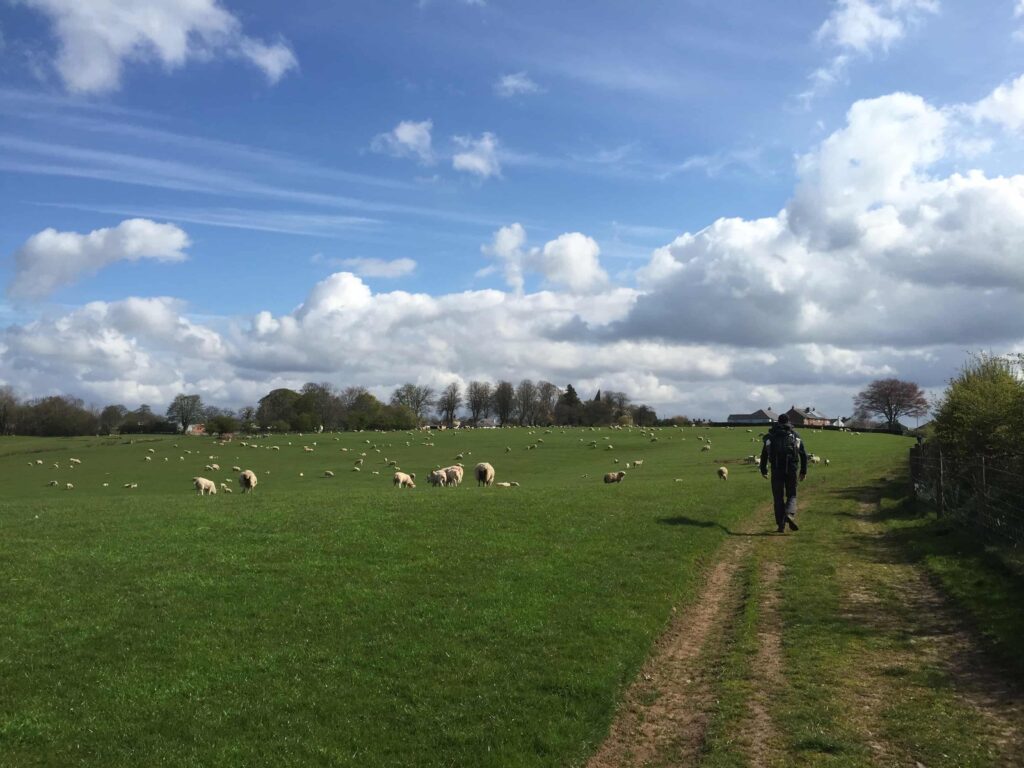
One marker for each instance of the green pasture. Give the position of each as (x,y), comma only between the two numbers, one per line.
(342,621)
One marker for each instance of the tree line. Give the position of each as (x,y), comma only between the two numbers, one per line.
(322,406)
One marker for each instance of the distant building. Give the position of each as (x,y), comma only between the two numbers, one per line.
(807,417)
(196,429)
(762,416)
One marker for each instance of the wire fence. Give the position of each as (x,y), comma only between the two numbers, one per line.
(983,493)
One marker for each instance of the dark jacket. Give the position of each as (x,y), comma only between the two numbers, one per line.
(776,431)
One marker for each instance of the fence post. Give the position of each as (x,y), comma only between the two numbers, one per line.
(941,495)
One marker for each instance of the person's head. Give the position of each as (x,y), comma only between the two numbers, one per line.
(784,418)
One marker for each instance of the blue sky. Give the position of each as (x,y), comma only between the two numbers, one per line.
(244,196)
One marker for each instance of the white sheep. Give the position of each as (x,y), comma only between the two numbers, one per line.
(74,461)
(484,474)
(247,480)
(438,478)
(53,483)
(203,486)
(614,477)
(236,469)
(827,462)
(402,480)
(69,486)
(224,487)
(723,472)
(328,473)
(504,485)
(638,462)
(453,475)
(705,448)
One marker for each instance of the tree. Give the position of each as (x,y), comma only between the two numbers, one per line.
(320,406)
(276,406)
(568,409)
(526,402)
(982,411)
(478,398)
(890,399)
(416,398)
(185,410)
(221,424)
(547,400)
(448,403)
(8,409)
(112,417)
(504,401)
(644,416)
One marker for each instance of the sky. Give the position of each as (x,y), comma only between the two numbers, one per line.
(711,206)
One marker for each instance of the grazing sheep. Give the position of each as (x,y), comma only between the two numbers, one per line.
(453,475)
(215,467)
(403,480)
(39,461)
(247,480)
(69,487)
(307,449)
(149,458)
(224,487)
(438,478)
(638,462)
(484,474)
(705,448)
(53,483)
(236,469)
(74,461)
(614,477)
(826,462)
(814,459)
(504,485)
(328,473)
(203,486)
(723,472)
(151,450)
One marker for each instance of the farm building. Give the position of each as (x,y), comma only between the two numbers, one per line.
(807,417)
(760,416)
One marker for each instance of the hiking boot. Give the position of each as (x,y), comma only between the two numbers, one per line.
(781,529)
(792,524)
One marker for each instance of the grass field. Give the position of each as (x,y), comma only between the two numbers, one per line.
(341,621)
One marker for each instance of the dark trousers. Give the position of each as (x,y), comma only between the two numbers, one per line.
(784,494)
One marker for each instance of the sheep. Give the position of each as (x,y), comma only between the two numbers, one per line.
(69,486)
(614,477)
(826,462)
(454,475)
(359,462)
(402,480)
(53,483)
(638,462)
(504,485)
(149,458)
(74,461)
(236,469)
(151,450)
(307,449)
(247,480)
(814,459)
(39,461)
(224,487)
(705,448)
(484,474)
(203,486)
(438,478)
(328,473)
(723,472)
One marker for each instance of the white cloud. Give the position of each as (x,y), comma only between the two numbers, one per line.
(508,248)
(1004,106)
(379,267)
(478,156)
(571,261)
(515,84)
(98,38)
(50,259)
(862,28)
(407,139)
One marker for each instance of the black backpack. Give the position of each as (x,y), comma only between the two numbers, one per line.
(785,446)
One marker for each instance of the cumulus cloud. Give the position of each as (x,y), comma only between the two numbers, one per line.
(873,249)
(50,259)
(570,261)
(477,156)
(515,84)
(379,267)
(1004,106)
(96,39)
(407,139)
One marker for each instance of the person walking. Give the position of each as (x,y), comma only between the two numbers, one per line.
(784,451)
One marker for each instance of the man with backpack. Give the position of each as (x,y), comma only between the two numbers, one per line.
(784,450)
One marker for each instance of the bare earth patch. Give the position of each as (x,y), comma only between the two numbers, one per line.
(760,728)
(664,714)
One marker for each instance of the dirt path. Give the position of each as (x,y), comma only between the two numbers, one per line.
(759,729)
(665,712)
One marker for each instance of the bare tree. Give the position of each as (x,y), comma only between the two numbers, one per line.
(416,398)
(547,399)
(185,410)
(8,407)
(890,399)
(478,398)
(448,403)
(504,401)
(526,402)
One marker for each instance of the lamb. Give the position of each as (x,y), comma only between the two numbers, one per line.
(149,458)
(638,462)
(53,483)
(723,472)
(224,487)
(454,475)
(826,462)
(504,485)
(402,480)
(484,474)
(74,461)
(438,478)
(247,480)
(69,486)
(328,473)
(614,477)
(236,469)
(814,459)
(204,486)
(215,467)
(705,448)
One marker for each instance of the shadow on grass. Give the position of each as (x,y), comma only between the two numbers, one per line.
(689,521)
